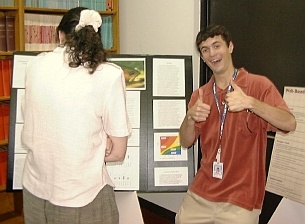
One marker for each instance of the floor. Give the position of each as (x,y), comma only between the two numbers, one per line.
(12,220)
(7,213)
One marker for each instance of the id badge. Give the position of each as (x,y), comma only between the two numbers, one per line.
(217,170)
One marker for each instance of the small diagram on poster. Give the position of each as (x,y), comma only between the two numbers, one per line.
(167,147)
(126,174)
(168,77)
(133,99)
(20,62)
(134,72)
(168,114)
(19,114)
(19,160)
(171,176)
(19,146)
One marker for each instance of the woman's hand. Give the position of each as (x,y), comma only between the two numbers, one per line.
(108,147)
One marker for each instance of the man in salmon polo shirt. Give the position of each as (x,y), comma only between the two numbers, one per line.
(231,115)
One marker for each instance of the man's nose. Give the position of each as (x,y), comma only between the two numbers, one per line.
(212,52)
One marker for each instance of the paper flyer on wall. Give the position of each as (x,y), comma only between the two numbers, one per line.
(286,175)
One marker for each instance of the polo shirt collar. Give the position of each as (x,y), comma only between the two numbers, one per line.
(241,80)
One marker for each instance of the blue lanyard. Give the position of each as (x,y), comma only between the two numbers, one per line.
(225,110)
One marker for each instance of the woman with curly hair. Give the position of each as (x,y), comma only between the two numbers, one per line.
(75,120)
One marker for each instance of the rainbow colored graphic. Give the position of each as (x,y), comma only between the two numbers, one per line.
(170,145)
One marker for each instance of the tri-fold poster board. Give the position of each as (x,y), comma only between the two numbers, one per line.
(158,90)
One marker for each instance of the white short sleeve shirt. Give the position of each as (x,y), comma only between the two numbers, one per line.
(68,114)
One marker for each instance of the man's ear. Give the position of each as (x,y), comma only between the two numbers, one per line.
(231,47)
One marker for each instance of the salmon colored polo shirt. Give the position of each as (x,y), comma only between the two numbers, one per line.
(244,142)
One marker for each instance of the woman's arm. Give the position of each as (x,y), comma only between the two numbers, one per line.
(118,149)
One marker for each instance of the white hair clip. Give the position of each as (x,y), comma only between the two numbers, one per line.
(89,18)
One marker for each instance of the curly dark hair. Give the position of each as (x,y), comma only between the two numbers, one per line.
(212,31)
(84,46)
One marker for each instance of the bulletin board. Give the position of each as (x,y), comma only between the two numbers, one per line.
(158,91)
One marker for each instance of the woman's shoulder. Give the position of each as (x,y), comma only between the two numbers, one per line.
(108,71)
(49,55)
(109,67)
